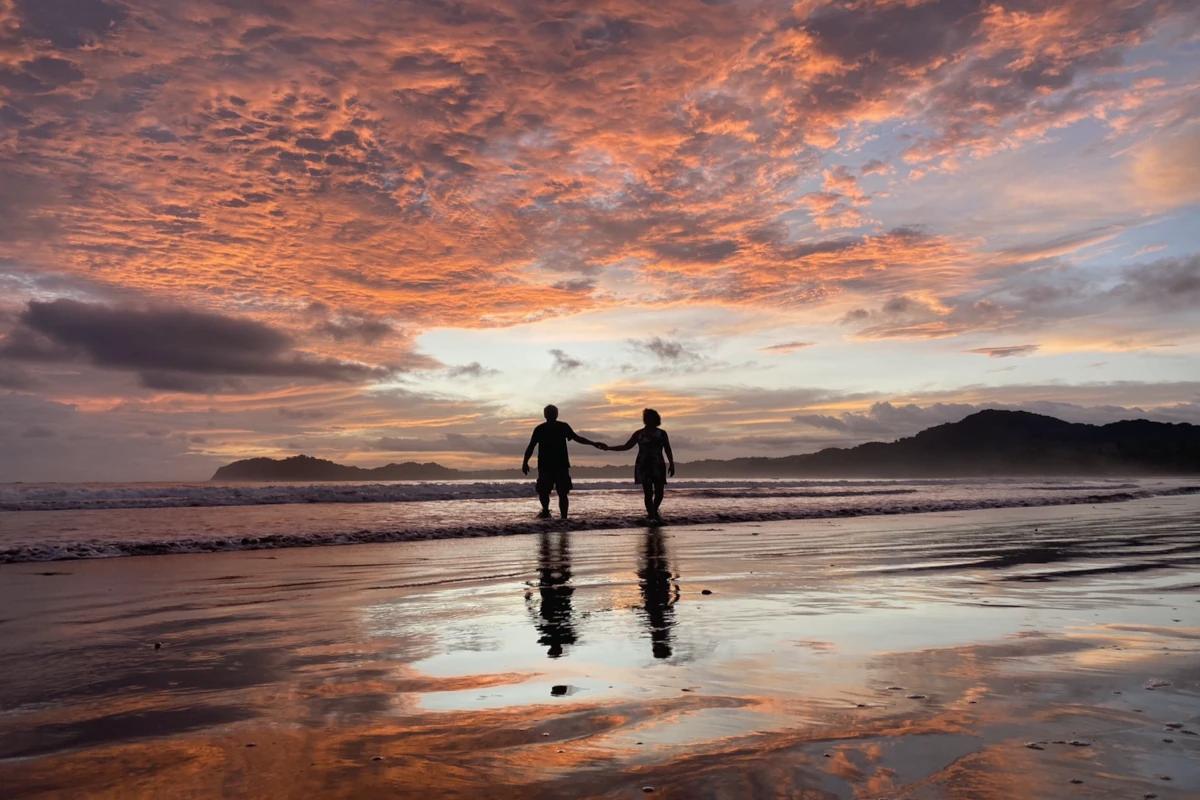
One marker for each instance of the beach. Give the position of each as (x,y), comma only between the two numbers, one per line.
(987,653)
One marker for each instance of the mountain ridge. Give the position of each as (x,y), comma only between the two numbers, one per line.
(989,442)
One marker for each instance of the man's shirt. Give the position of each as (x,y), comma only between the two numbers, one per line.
(551,439)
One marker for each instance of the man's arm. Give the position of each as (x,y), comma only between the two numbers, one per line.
(529,452)
(670,455)
(571,434)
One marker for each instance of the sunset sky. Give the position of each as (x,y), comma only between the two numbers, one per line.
(381,231)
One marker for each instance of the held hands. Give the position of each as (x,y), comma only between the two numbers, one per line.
(601,445)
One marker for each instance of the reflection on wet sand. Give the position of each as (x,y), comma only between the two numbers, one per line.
(660,591)
(554,618)
(411,670)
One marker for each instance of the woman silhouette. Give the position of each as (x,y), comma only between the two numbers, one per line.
(650,470)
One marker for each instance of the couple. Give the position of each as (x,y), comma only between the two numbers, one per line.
(554,467)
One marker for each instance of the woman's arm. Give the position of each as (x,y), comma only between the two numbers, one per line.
(628,445)
(670,455)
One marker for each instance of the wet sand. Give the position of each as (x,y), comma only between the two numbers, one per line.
(1045,652)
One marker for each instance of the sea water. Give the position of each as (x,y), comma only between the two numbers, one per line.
(50,521)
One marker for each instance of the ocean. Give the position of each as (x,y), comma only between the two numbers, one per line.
(54,521)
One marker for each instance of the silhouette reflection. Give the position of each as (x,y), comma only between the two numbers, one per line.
(660,592)
(554,617)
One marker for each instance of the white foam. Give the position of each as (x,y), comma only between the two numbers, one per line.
(702,510)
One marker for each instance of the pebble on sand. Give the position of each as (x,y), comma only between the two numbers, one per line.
(647,789)
(559,689)
(706,591)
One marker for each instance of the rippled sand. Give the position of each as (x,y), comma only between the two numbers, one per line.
(984,654)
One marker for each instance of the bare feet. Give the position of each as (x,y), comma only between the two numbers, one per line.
(544,514)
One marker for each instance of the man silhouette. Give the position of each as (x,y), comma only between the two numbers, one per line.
(554,467)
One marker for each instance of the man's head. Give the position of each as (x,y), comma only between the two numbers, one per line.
(550,413)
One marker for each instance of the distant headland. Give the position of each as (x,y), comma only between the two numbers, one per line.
(990,442)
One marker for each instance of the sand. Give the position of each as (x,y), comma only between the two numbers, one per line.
(1047,652)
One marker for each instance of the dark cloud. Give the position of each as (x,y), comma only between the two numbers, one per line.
(472,370)
(13,377)
(169,348)
(363,329)
(1169,284)
(875,167)
(40,75)
(707,251)
(303,414)
(564,362)
(37,432)
(580,285)
(786,347)
(69,23)
(1007,351)
(168,381)
(665,349)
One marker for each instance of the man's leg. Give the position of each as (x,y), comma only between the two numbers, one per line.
(543,492)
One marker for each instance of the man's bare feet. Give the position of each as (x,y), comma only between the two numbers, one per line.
(544,514)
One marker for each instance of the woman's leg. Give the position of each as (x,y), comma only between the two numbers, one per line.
(648,491)
(660,488)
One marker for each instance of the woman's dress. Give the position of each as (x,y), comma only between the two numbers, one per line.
(650,466)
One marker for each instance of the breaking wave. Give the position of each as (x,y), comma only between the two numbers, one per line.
(63,497)
(73,544)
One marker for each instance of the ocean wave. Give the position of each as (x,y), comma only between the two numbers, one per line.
(81,497)
(92,548)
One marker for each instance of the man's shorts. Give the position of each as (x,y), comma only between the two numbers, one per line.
(554,478)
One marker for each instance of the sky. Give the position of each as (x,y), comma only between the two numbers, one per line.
(389,231)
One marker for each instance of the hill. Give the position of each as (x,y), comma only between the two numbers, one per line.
(988,442)
(307,468)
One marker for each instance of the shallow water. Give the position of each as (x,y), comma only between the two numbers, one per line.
(65,521)
(907,656)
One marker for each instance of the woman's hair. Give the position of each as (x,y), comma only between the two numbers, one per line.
(651,417)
